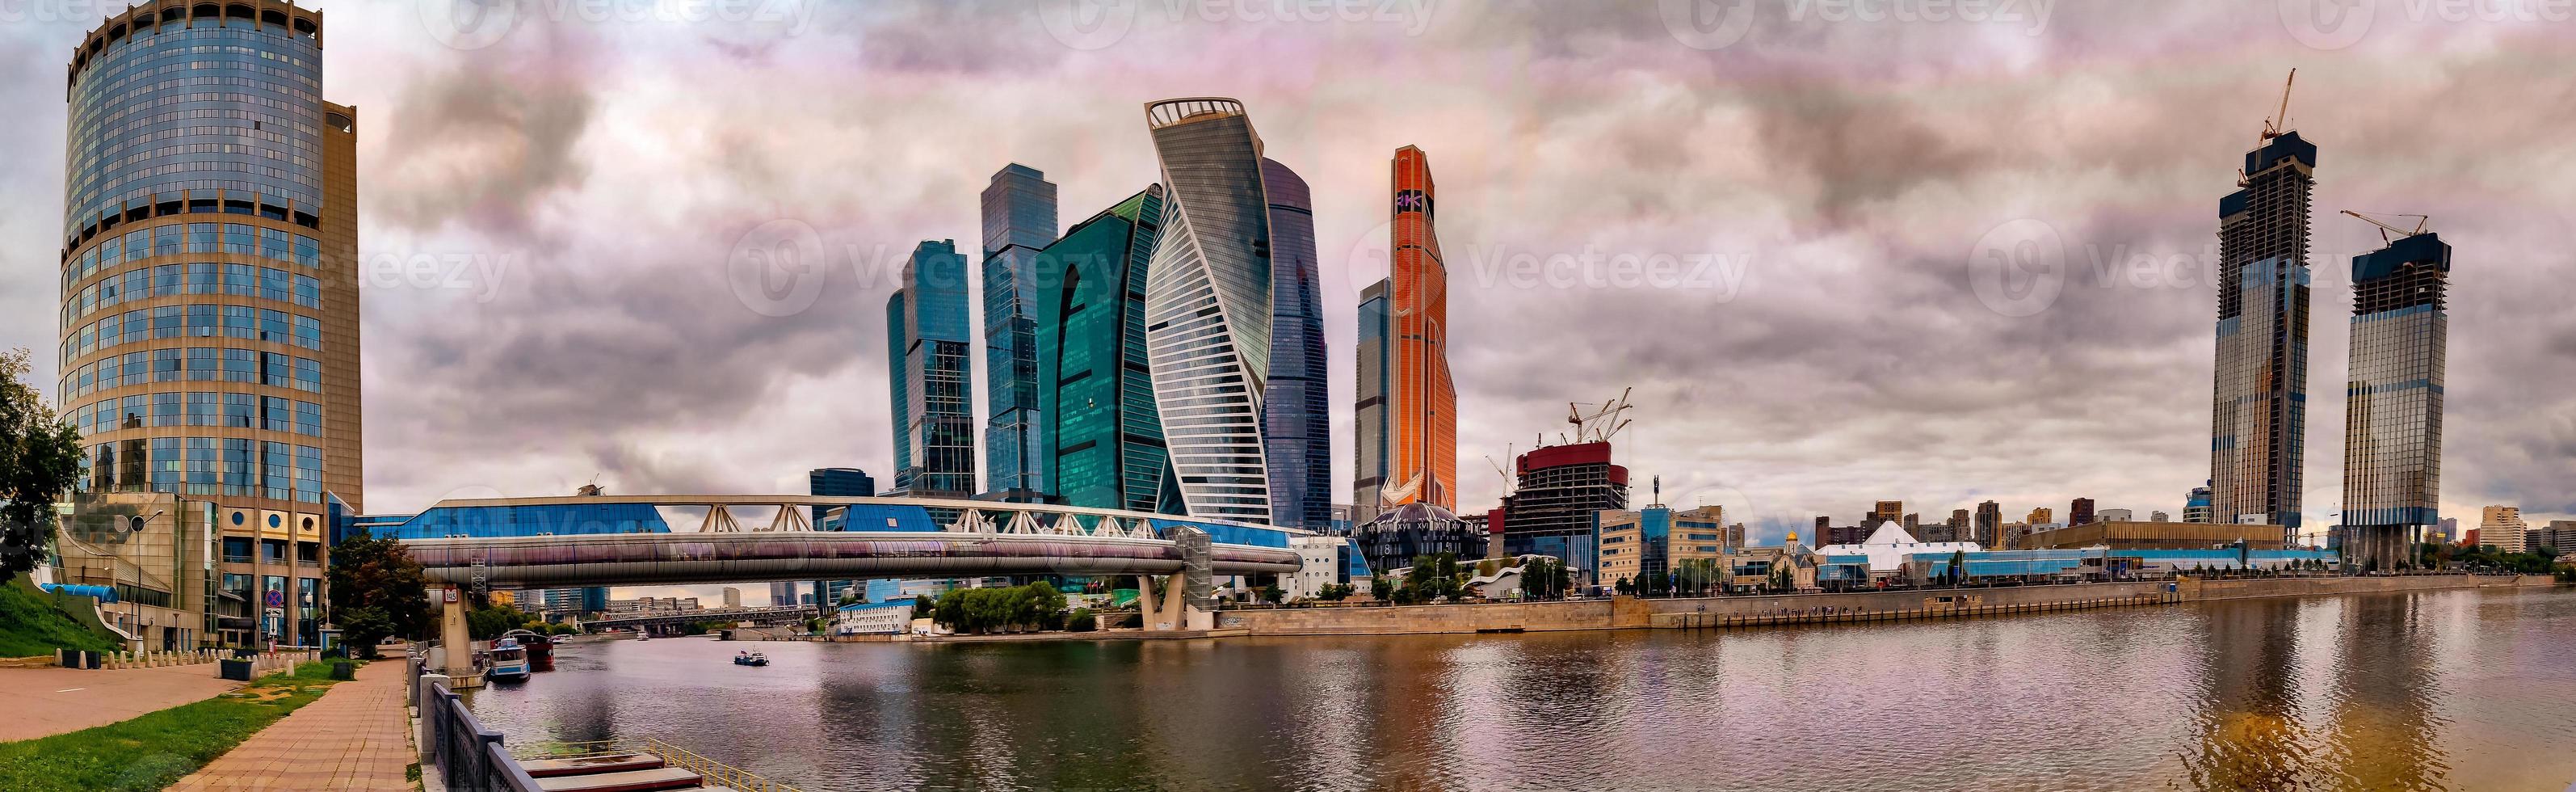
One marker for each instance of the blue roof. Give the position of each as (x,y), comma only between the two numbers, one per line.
(2424,248)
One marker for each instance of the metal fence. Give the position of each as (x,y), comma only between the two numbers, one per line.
(468,754)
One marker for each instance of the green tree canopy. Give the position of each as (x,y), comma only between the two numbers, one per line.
(39,460)
(375,578)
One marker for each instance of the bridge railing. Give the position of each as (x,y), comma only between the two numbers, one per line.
(467,753)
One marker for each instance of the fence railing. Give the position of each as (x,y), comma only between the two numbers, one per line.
(468,754)
(714,773)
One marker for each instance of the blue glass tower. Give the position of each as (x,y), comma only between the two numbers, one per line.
(2259,399)
(1296,422)
(2392,457)
(1369,412)
(1019,220)
(934,407)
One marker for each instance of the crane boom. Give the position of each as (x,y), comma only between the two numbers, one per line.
(2280,120)
(2386,228)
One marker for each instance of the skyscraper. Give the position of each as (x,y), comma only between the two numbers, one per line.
(2258,405)
(1208,305)
(1019,220)
(1990,524)
(839,482)
(1107,449)
(2392,435)
(210,285)
(1296,420)
(1369,411)
(934,407)
(1422,444)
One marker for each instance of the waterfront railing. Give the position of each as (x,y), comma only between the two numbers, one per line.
(468,754)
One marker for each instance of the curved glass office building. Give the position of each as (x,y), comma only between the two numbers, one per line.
(1207,305)
(209,281)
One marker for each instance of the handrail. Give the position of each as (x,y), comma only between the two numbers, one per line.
(713,772)
(468,754)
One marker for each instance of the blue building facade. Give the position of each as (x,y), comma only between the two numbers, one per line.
(1296,405)
(932,381)
(1019,221)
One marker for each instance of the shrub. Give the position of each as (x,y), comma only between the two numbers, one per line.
(1082,621)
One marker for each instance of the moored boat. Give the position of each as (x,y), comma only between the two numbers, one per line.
(509,661)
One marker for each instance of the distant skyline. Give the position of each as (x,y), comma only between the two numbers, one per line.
(1780,236)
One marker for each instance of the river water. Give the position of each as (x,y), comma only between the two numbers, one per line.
(2467,690)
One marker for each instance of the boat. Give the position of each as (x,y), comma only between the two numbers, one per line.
(750,659)
(509,661)
(541,649)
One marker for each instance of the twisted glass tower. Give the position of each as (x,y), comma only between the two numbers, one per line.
(1208,305)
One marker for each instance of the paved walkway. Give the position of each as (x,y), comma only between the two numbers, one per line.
(42,702)
(356,737)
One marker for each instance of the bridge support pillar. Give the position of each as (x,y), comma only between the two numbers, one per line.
(453,639)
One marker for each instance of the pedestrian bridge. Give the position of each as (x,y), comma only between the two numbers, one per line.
(629,541)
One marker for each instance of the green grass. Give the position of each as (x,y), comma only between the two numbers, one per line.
(155,750)
(31,623)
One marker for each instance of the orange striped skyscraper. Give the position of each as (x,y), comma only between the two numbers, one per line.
(1422,414)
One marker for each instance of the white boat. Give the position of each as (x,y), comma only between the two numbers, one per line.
(509,661)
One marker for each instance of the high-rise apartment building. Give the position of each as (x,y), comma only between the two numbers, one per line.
(2502,528)
(1989,525)
(2040,515)
(2392,436)
(1094,385)
(210,285)
(2080,511)
(1019,220)
(1369,411)
(1422,400)
(1885,511)
(2258,404)
(1296,419)
(2195,507)
(933,385)
(1208,305)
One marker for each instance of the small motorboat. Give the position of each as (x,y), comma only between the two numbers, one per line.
(750,659)
(541,649)
(509,661)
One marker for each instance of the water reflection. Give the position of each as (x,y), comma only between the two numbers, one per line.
(2455,690)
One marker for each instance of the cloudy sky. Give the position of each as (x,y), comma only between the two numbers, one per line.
(1785,225)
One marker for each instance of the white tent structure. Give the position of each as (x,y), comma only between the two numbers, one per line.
(1888,546)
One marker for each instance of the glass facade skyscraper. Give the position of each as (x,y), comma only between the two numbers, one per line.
(932,383)
(1208,305)
(2258,406)
(1096,390)
(1368,414)
(209,276)
(2392,437)
(1296,420)
(1422,420)
(1019,220)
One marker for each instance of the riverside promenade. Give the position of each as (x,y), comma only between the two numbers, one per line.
(356,737)
(43,702)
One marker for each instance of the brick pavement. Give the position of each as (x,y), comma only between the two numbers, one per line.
(356,736)
(42,702)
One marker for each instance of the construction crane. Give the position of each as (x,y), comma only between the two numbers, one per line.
(2386,228)
(1509,484)
(1600,424)
(2280,121)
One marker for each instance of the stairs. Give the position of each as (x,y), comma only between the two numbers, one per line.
(641,771)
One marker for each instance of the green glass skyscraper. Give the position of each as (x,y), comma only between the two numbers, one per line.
(1095,389)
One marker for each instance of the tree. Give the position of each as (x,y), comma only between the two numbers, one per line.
(373,577)
(1335,592)
(485,624)
(39,459)
(1271,594)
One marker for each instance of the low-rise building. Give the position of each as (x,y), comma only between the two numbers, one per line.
(2134,535)
(1324,561)
(1636,544)
(873,618)
(143,561)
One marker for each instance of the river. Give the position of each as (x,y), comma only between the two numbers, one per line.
(2469,690)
